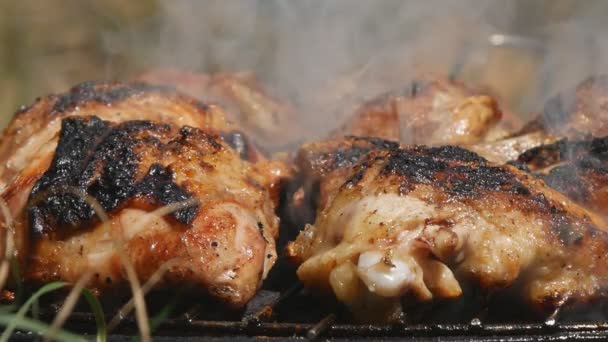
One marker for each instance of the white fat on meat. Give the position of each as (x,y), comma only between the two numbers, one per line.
(382,251)
(383,276)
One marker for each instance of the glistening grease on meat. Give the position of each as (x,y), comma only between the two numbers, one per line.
(418,223)
(160,165)
(224,238)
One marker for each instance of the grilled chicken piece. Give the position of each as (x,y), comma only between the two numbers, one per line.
(268,120)
(431,112)
(31,137)
(418,223)
(145,148)
(583,109)
(507,149)
(576,168)
(222,241)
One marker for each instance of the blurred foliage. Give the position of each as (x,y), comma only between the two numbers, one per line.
(50,45)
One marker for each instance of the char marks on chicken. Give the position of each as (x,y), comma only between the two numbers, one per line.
(510,148)
(419,222)
(31,137)
(577,168)
(161,166)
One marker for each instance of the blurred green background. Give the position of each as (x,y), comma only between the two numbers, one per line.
(49,45)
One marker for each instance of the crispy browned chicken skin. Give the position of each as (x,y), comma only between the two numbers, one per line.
(32,134)
(430,111)
(419,222)
(140,149)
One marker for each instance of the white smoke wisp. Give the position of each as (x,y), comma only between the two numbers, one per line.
(321,53)
(329,56)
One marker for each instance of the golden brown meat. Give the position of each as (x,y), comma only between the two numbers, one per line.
(134,149)
(430,111)
(31,137)
(269,121)
(419,223)
(576,168)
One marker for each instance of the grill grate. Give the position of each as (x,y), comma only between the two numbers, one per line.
(181,328)
(273,314)
(284,310)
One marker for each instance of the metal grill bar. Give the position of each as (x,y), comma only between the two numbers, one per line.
(326,328)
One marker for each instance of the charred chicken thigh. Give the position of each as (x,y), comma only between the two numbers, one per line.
(161,167)
(419,222)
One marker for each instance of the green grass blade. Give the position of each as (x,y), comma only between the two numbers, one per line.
(37,327)
(35,310)
(36,314)
(160,316)
(100,319)
(15,273)
(26,306)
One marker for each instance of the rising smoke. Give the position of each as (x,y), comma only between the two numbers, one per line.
(327,56)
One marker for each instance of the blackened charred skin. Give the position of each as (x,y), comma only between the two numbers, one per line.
(541,156)
(567,180)
(158,184)
(77,140)
(191,133)
(455,153)
(345,153)
(587,153)
(357,176)
(457,171)
(97,158)
(261,230)
(576,168)
(100,93)
(465,176)
(378,143)
(564,149)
